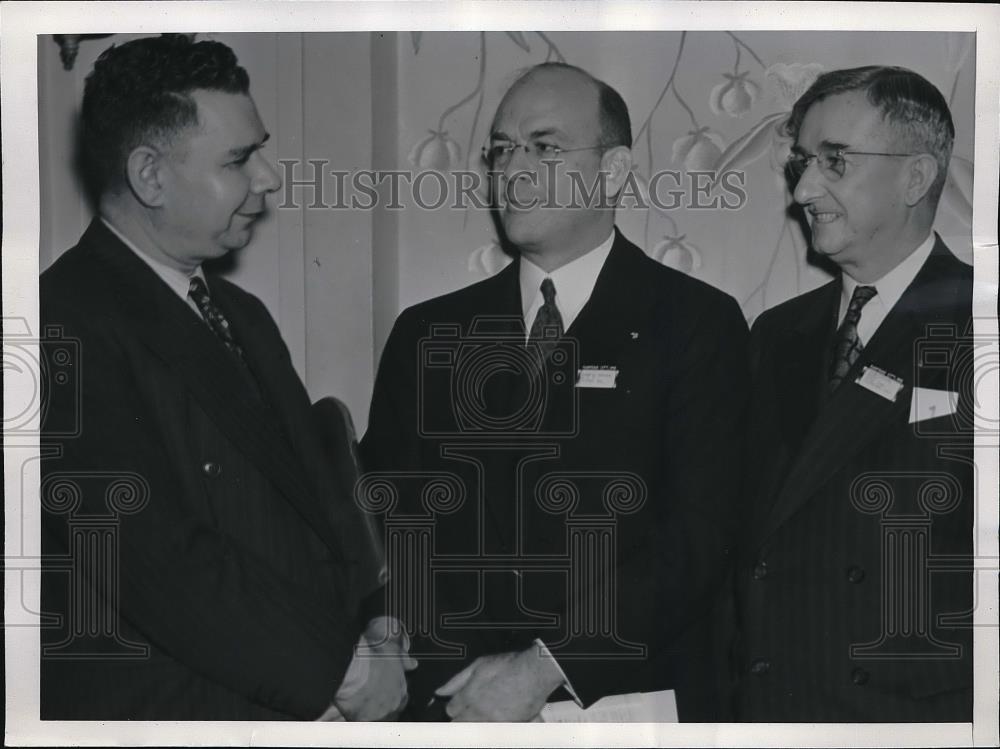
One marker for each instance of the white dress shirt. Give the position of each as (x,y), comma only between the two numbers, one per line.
(574,283)
(178,281)
(889,289)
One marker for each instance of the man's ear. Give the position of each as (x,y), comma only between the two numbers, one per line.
(144,171)
(919,178)
(616,163)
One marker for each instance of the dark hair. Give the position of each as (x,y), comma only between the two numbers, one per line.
(908,102)
(616,125)
(140,92)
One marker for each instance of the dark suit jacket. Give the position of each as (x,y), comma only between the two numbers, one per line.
(852,594)
(669,431)
(240,565)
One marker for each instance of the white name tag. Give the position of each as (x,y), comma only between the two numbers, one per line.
(880,382)
(597,377)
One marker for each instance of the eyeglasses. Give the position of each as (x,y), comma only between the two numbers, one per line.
(499,153)
(832,163)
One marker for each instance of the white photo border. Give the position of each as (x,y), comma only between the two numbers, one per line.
(20,22)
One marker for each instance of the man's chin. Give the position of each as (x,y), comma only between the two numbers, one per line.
(518,229)
(823,241)
(235,241)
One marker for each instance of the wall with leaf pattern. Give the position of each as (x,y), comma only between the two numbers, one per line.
(699,101)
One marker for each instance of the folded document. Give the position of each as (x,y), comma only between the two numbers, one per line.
(638,707)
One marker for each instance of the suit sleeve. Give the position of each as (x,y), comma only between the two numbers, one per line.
(674,563)
(208,602)
(703,459)
(391,441)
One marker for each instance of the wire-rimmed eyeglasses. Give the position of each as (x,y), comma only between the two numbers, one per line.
(499,153)
(831,163)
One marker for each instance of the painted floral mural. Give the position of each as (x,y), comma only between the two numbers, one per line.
(747,93)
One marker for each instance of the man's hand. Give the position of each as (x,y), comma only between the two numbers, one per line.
(503,687)
(375,685)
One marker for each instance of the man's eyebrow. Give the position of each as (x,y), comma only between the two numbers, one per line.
(241,151)
(543,132)
(826,145)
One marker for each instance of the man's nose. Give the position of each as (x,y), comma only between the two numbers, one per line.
(265,177)
(519,161)
(810,184)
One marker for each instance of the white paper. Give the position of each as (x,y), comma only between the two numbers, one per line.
(928,403)
(637,707)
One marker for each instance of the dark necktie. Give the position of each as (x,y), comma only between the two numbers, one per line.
(848,346)
(547,328)
(213,316)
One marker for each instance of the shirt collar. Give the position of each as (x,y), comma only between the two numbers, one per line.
(177,280)
(891,286)
(574,282)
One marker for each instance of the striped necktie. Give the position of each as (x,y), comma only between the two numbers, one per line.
(847,348)
(213,316)
(547,328)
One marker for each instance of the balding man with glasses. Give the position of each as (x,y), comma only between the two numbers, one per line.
(613,400)
(855,592)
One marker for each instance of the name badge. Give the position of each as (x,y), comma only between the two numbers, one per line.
(880,382)
(597,377)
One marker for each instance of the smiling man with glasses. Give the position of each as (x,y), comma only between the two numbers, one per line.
(844,603)
(640,382)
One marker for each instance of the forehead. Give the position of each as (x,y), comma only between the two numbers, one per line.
(227,120)
(846,119)
(552,101)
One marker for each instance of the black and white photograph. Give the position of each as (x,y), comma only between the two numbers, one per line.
(631,367)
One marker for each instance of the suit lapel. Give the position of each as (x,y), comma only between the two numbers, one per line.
(503,319)
(853,416)
(502,297)
(805,349)
(173,332)
(620,303)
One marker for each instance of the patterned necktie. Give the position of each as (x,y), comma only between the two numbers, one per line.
(213,316)
(547,328)
(848,343)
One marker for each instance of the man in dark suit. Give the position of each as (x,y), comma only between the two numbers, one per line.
(234,576)
(580,411)
(855,594)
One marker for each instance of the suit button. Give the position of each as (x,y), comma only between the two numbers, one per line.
(211,468)
(760,570)
(855,574)
(859,676)
(760,667)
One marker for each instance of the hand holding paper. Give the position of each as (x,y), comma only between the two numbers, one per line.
(502,687)
(374,687)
